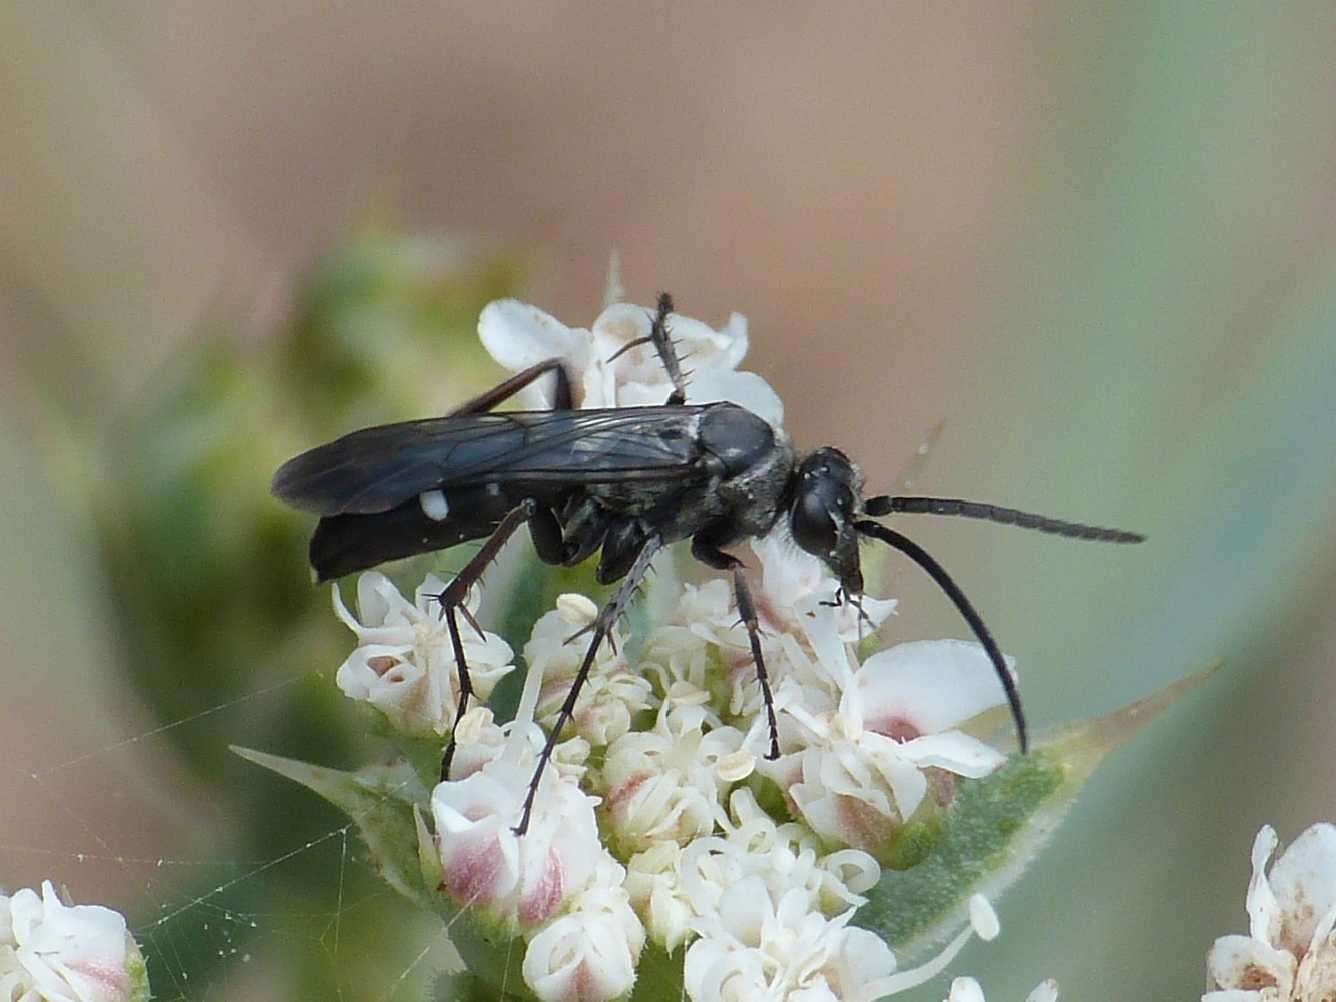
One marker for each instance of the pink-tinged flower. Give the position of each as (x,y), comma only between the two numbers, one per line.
(590,953)
(524,880)
(62,953)
(863,768)
(1290,952)
(612,693)
(606,373)
(404,664)
(667,783)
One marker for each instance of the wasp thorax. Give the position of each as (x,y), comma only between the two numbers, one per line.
(827,500)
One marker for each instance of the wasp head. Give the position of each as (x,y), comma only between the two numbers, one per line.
(827,501)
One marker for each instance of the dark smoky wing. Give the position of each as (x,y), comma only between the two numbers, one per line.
(375,469)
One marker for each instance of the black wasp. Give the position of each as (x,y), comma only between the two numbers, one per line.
(623,481)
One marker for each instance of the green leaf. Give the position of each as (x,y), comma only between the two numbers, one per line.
(998,824)
(659,975)
(137,970)
(380,800)
(385,803)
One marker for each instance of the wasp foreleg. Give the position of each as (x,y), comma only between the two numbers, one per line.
(712,556)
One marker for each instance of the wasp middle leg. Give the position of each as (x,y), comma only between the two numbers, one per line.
(602,626)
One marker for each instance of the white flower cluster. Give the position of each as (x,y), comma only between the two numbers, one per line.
(862,746)
(404,664)
(557,885)
(649,827)
(612,694)
(611,363)
(53,952)
(1289,954)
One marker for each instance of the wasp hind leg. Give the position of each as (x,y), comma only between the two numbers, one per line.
(546,534)
(484,402)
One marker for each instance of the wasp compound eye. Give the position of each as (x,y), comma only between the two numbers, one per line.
(813,527)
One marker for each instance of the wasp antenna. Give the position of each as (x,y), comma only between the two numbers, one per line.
(887,505)
(935,571)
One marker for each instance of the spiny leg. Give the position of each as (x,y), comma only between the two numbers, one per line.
(719,560)
(452,599)
(602,626)
(660,338)
(747,612)
(935,570)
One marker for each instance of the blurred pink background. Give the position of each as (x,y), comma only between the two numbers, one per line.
(1097,241)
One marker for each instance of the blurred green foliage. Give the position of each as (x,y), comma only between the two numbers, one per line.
(211,597)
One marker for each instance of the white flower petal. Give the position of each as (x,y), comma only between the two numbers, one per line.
(1245,963)
(653,881)
(860,958)
(735,331)
(965,990)
(519,335)
(744,909)
(912,978)
(954,751)
(1263,909)
(76,953)
(588,955)
(1045,991)
(983,919)
(1303,881)
(908,784)
(1316,978)
(927,686)
(576,609)
(746,389)
(854,869)
(715,971)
